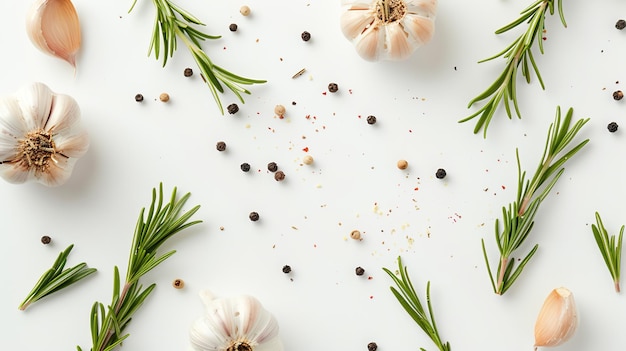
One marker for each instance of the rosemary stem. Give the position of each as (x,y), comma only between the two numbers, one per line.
(617,288)
(534,185)
(504,261)
(110,330)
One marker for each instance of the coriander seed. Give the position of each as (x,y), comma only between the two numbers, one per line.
(232,108)
(286,269)
(164,97)
(254,216)
(280,110)
(279,176)
(620,24)
(359,271)
(245,167)
(372,346)
(306,36)
(441,173)
(618,95)
(333,87)
(46,240)
(220,146)
(371,119)
(188,72)
(272,167)
(178,283)
(402,164)
(355,234)
(139,98)
(244,10)
(233,27)
(612,127)
(307,160)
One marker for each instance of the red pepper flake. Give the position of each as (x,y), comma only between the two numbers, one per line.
(315,245)
(503,187)
(324,93)
(308,117)
(224,48)
(416,189)
(370,278)
(359,116)
(410,131)
(350,91)
(371,297)
(306,149)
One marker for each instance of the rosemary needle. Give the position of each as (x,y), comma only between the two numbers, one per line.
(407,296)
(57,278)
(503,89)
(518,217)
(610,249)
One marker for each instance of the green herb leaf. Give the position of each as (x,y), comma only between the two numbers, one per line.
(610,249)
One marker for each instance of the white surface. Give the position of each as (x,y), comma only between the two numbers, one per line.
(353,184)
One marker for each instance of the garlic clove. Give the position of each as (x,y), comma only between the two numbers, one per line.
(15,175)
(35,101)
(369,43)
(355,21)
(425,8)
(74,145)
(54,28)
(398,45)
(419,28)
(11,126)
(557,320)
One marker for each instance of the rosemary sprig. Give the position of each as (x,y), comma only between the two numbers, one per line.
(611,251)
(173,22)
(57,278)
(406,295)
(162,222)
(518,217)
(517,53)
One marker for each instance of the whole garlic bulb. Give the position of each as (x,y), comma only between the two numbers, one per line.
(557,320)
(234,324)
(41,136)
(388,29)
(53,26)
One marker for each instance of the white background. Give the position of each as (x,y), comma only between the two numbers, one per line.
(435,225)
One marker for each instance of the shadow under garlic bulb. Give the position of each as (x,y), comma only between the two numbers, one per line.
(388,29)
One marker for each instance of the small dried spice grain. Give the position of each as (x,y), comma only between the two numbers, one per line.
(244,10)
(402,164)
(245,167)
(272,167)
(620,24)
(220,146)
(188,72)
(612,127)
(232,109)
(372,346)
(178,283)
(286,269)
(139,98)
(280,110)
(164,97)
(306,36)
(46,240)
(254,216)
(359,271)
(371,119)
(333,87)
(441,173)
(307,160)
(355,234)
(233,27)
(618,95)
(279,176)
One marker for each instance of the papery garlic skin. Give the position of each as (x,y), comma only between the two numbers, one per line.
(41,136)
(54,28)
(557,320)
(377,35)
(234,324)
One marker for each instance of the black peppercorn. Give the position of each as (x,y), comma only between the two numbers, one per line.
(333,87)
(612,127)
(618,95)
(279,176)
(621,24)
(139,98)
(306,36)
(232,109)
(188,72)
(286,269)
(359,271)
(254,216)
(441,173)
(371,119)
(233,27)
(245,167)
(372,346)
(46,240)
(220,146)
(272,167)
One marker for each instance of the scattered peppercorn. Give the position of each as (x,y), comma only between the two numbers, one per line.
(441,173)
(333,87)
(178,283)
(254,216)
(233,108)
(355,234)
(279,176)
(272,167)
(139,98)
(244,10)
(621,24)
(233,27)
(402,164)
(286,269)
(612,127)
(371,119)
(245,167)
(372,346)
(165,97)
(307,160)
(280,110)
(618,95)
(220,146)
(359,271)
(306,36)
(46,240)
(188,72)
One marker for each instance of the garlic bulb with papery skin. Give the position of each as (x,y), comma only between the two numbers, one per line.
(388,29)
(41,136)
(53,27)
(234,324)
(557,320)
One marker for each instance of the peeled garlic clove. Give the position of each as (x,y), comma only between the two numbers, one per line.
(53,27)
(557,320)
